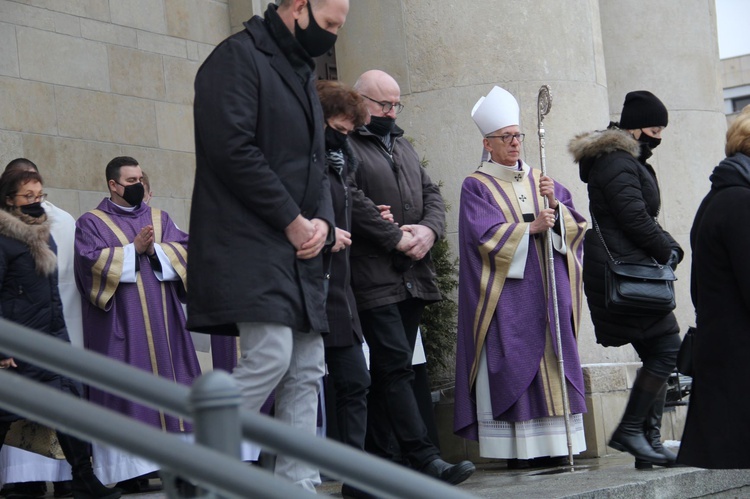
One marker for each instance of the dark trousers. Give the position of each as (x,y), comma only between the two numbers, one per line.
(659,355)
(347,371)
(391,331)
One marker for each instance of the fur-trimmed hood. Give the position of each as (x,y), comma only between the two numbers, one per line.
(586,147)
(35,236)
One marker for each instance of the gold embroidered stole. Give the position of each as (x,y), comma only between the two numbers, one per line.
(517,187)
(514,230)
(156,223)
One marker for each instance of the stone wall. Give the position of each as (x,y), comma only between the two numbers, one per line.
(82,82)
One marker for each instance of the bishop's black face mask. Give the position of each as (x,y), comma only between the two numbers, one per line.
(335,140)
(381,125)
(33,210)
(315,40)
(133,193)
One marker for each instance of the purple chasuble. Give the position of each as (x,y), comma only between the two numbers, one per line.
(141,323)
(508,316)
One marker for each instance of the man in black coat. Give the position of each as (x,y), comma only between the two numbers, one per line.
(261,209)
(392,274)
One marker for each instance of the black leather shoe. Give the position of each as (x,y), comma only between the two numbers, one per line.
(351,492)
(26,490)
(549,462)
(135,485)
(518,464)
(449,473)
(63,489)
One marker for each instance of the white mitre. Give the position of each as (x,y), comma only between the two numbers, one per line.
(495,111)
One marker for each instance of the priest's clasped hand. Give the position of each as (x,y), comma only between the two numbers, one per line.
(144,241)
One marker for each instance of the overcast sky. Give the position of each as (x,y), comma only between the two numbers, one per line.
(732,17)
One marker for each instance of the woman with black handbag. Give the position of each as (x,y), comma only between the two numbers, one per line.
(624,200)
(716,430)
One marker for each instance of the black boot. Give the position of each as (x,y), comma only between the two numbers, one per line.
(85,483)
(652,430)
(630,436)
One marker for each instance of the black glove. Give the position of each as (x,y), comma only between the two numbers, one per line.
(674,259)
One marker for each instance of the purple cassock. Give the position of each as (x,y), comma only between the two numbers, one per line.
(140,323)
(512,317)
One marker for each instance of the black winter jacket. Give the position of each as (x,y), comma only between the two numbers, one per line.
(381,275)
(341,306)
(28,292)
(624,201)
(260,162)
(716,433)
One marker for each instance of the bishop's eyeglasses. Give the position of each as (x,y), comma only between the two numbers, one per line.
(508,137)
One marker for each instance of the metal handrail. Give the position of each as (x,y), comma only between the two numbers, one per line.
(88,421)
(335,459)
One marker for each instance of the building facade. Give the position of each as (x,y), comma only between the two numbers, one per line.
(736,77)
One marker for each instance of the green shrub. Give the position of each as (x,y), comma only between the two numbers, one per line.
(439,320)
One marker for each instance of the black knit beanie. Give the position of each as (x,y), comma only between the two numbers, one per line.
(642,109)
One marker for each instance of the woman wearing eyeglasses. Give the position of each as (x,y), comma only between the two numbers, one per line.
(624,200)
(29,296)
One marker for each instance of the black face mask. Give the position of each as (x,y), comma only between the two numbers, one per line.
(381,125)
(335,140)
(133,193)
(33,210)
(315,40)
(649,141)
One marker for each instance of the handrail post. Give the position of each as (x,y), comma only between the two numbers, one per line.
(215,405)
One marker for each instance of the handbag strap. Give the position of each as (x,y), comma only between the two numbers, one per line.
(601,238)
(606,248)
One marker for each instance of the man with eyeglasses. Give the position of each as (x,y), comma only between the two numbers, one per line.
(392,274)
(508,389)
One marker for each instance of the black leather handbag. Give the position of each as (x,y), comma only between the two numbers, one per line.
(637,288)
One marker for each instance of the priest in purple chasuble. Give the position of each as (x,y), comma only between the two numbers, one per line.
(130,267)
(508,389)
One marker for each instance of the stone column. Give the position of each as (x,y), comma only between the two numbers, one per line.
(242,10)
